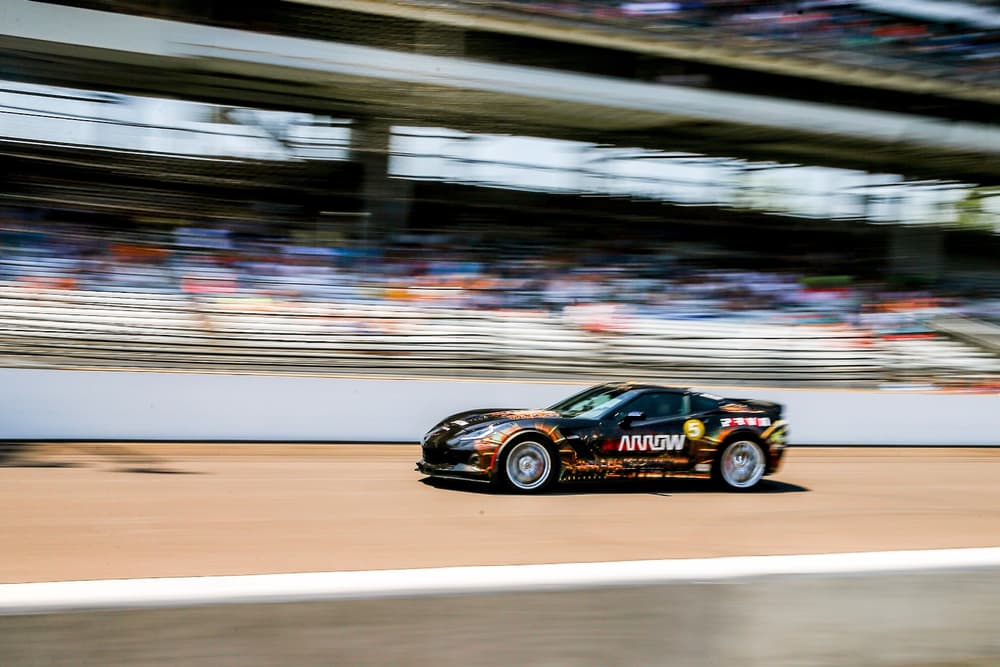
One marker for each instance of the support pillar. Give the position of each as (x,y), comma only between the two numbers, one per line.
(916,253)
(387,201)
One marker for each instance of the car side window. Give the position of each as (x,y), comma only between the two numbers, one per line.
(700,403)
(658,405)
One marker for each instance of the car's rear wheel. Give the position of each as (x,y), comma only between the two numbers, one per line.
(528,466)
(741,465)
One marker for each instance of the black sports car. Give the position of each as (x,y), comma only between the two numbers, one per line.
(612,431)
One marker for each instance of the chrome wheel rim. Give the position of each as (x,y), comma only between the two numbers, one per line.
(743,464)
(528,465)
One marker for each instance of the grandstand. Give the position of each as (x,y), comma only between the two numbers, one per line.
(80,329)
(201,298)
(943,47)
(322,238)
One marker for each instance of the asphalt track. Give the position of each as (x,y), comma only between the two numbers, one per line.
(90,511)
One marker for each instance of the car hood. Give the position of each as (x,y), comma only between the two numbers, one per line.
(473,417)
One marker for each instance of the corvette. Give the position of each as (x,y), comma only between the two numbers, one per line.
(611,431)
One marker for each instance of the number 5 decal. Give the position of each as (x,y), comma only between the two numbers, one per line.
(694,429)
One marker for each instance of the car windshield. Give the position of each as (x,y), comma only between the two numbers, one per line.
(590,403)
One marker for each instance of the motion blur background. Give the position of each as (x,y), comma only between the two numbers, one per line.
(798,193)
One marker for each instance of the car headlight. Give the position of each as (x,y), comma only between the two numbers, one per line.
(477,434)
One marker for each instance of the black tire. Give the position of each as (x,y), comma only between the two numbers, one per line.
(530,464)
(740,464)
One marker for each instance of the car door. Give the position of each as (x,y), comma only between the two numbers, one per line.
(648,432)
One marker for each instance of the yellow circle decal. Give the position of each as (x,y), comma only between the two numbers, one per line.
(694,429)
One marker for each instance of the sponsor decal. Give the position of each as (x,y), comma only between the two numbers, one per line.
(651,443)
(745,421)
(694,429)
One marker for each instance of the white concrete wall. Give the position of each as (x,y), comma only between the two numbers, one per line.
(118,405)
(839,610)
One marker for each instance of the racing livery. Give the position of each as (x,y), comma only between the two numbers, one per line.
(612,431)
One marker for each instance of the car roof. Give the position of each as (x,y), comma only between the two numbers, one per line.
(642,386)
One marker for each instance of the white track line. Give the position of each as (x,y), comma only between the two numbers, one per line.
(47,597)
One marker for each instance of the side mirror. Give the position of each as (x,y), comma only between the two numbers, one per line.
(627,420)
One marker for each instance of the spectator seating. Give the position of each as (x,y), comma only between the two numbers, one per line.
(80,328)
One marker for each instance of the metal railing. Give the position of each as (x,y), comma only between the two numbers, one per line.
(77,328)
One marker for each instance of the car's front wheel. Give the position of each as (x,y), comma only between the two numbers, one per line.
(740,465)
(528,466)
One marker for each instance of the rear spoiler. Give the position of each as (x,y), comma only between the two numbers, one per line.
(757,404)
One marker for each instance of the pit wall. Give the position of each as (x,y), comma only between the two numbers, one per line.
(890,609)
(37,404)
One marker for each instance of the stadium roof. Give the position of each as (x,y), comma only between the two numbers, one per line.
(204,62)
(691,45)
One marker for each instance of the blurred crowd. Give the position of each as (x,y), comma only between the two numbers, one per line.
(960,39)
(596,283)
